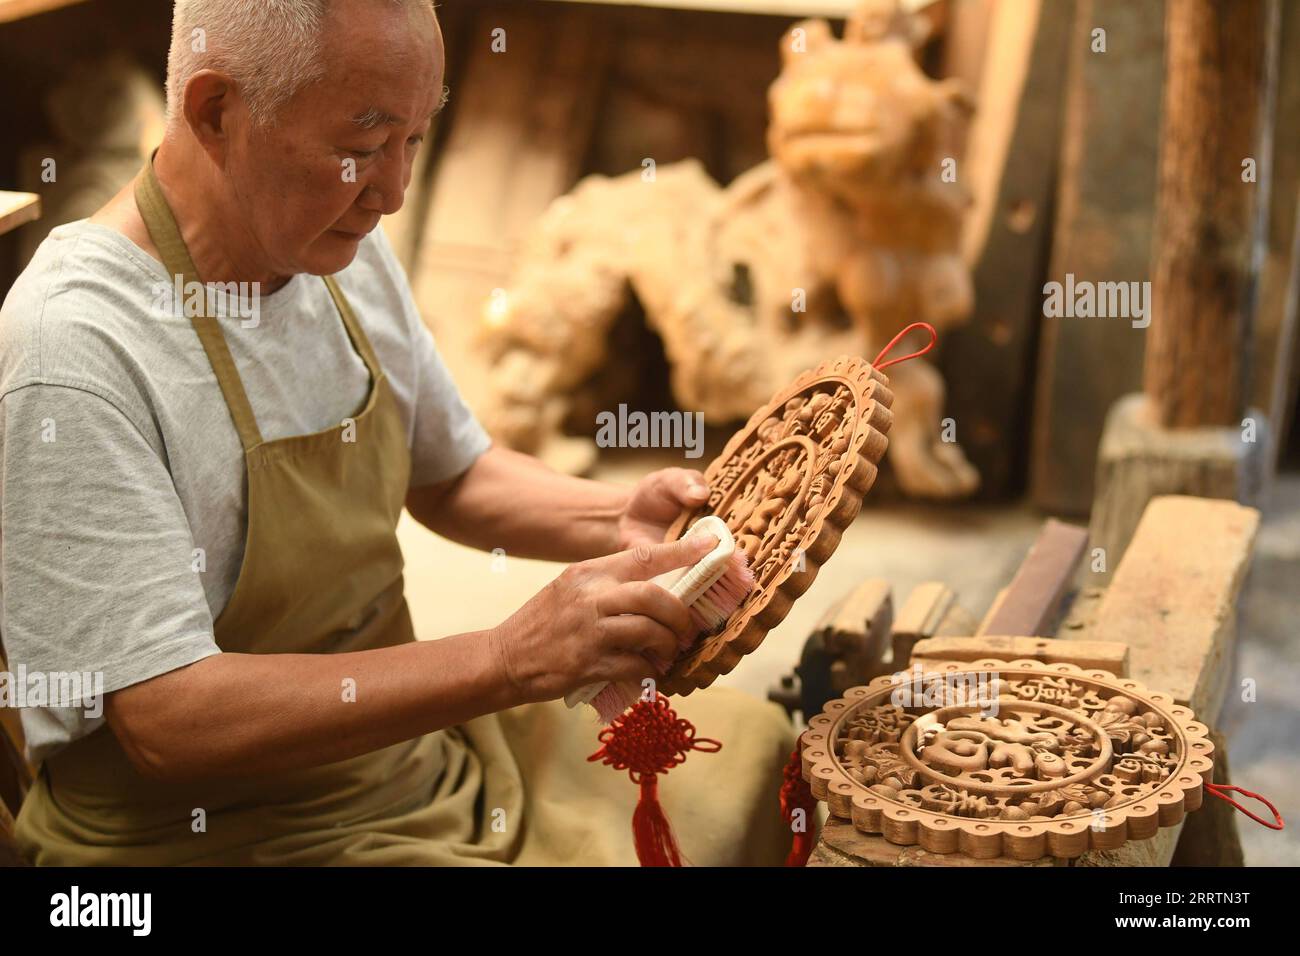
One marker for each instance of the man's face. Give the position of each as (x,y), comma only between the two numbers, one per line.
(338,156)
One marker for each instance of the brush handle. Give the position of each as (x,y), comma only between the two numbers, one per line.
(687,587)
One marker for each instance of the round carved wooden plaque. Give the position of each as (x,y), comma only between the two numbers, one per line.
(1020,759)
(787,485)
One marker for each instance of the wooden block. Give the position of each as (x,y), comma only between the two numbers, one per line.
(1140,459)
(1157,851)
(920,617)
(1104,655)
(1031,603)
(1105,213)
(1173,599)
(841,844)
(1010,166)
(958,622)
(864,611)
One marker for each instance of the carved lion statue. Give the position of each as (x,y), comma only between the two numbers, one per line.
(847,234)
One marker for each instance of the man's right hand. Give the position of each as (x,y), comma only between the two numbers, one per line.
(600,620)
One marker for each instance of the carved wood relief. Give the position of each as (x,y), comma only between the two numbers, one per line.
(1020,759)
(787,485)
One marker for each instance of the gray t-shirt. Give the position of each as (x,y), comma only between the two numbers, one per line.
(119,460)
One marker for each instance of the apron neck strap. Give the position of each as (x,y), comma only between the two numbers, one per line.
(354,330)
(166,235)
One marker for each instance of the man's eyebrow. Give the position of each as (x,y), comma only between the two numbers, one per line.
(375,117)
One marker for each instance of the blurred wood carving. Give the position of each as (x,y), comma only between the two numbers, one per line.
(108,115)
(850,231)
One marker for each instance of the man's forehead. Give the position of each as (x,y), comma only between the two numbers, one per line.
(387,58)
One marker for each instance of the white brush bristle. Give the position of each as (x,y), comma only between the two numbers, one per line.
(710,611)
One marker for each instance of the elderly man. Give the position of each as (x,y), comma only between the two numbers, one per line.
(200,494)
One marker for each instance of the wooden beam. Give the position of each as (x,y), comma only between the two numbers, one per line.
(1105,655)
(1032,602)
(920,617)
(1173,598)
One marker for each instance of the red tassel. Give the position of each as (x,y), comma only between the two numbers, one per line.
(797,795)
(655,843)
(648,740)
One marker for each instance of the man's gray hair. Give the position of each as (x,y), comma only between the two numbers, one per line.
(270,48)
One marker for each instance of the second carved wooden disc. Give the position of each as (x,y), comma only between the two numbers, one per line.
(1020,759)
(787,485)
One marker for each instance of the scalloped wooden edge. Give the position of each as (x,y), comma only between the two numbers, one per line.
(1020,840)
(749,626)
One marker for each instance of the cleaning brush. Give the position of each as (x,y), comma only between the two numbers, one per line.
(712,589)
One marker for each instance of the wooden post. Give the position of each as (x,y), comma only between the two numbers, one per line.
(1189,432)
(1208,229)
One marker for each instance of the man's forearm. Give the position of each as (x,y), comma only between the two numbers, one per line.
(234,715)
(514,502)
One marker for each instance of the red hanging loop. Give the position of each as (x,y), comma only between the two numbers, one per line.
(650,739)
(1220,790)
(797,795)
(934,340)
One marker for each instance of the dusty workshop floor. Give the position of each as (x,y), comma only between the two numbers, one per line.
(975,550)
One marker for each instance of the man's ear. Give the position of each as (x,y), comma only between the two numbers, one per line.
(806,36)
(209,100)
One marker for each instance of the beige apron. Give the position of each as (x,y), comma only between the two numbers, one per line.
(322,573)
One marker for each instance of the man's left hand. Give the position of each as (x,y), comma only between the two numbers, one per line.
(656,502)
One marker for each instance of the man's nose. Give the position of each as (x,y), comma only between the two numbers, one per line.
(386,188)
